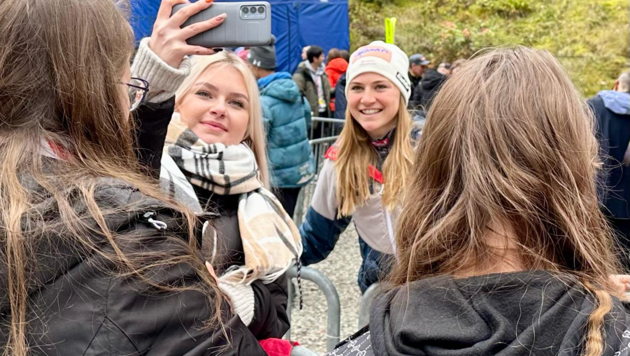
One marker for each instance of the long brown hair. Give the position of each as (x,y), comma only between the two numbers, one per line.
(61,63)
(508,142)
(356,154)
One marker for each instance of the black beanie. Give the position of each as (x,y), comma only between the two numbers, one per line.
(264,56)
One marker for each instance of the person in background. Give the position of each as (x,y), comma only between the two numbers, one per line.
(365,172)
(287,115)
(313,83)
(335,67)
(417,66)
(94,259)
(340,95)
(428,87)
(345,55)
(444,68)
(304,50)
(332,54)
(501,248)
(612,114)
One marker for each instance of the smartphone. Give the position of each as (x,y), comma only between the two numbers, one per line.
(247,24)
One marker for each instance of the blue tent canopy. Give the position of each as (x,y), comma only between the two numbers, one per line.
(295,24)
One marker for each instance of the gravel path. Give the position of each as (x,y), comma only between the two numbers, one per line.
(308,326)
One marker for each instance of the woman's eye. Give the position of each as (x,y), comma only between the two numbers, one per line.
(203,93)
(356,88)
(238,104)
(381,87)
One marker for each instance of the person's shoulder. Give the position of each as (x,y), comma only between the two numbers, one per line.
(118,192)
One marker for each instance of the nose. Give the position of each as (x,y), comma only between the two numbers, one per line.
(368,97)
(218,108)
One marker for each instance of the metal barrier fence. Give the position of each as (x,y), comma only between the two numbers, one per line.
(319,147)
(366,303)
(302,351)
(333,327)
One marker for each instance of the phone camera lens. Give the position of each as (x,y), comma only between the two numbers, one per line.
(252,10)
(261,9)
(245,10)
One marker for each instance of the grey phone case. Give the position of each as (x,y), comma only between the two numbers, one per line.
(234,31)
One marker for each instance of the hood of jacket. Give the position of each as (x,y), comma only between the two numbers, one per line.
(616,101)
(524,313)
(337,65)
(279,86)
(432,79)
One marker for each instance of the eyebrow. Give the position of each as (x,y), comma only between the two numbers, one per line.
(376,82)
(213,88)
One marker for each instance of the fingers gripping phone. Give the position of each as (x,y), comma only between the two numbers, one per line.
(247,24)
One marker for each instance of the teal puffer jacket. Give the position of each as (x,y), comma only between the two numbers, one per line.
(287,117)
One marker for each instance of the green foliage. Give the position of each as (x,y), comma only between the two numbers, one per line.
(590,37)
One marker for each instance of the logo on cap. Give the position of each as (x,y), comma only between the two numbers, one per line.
(372,51)
(404,81)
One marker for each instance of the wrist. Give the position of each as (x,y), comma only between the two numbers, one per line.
(168,57)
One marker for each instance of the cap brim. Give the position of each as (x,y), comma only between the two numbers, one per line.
(424,63)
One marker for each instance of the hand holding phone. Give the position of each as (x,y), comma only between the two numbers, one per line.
(248,24)
(168,39)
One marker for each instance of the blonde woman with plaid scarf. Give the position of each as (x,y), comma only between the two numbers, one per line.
(214,161)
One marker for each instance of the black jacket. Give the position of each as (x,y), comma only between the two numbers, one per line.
(270,316)
(414,82)
(426,90)
(612,114)
(77,306)
(270,309)
(525,313)
(340,98)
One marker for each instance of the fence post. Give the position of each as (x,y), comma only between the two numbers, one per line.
(366,304)
(333,328)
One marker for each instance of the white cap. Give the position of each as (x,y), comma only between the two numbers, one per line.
(381,58)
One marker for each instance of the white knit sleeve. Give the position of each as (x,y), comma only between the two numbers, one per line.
(163,79)
(242,298)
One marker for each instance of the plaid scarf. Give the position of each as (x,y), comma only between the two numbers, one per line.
(271,241)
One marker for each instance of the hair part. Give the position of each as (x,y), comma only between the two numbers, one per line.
(255,135)
(498,148)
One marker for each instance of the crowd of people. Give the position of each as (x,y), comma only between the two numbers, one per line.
(146,208)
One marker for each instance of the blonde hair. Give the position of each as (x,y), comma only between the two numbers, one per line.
(355,154)
(255,135)
(510,140)
(61,63)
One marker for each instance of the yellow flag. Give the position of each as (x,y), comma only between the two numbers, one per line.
(390,27)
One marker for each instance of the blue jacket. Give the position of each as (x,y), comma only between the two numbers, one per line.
(612,113)
(287,116)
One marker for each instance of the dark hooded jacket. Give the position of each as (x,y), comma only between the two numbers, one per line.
(612,114)
(424,93)
(77,305)
(524,313)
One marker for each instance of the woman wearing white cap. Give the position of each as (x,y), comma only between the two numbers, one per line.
(365,171)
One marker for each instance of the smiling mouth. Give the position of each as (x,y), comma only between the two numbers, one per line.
(215,126)
(370,111)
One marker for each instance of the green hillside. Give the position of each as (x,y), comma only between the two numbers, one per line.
(590,37)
